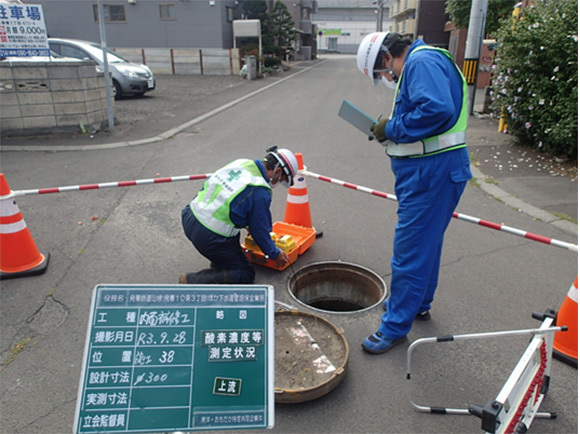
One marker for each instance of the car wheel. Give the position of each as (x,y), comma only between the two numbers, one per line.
(116,90)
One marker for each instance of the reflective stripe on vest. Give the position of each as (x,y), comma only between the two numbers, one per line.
(454,137)
(212,205)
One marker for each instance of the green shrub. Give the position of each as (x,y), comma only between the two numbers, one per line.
(272,61)
(249,49)
(535,78)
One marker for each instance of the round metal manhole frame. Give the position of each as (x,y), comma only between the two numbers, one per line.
(366,273)
(311,354)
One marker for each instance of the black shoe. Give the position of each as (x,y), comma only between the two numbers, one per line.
(184,279)
(210,276)
(423,316)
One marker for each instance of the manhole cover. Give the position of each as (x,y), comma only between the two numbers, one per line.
(311,357)
(337,287)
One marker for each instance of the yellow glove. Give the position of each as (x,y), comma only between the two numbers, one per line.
(378,130)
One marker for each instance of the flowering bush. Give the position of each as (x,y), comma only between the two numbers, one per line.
(535,77)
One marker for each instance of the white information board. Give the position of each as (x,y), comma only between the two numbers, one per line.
(246,28)
(162,358)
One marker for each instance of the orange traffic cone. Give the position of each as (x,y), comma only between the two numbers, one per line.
(18,254)
(297,206)
(566,343)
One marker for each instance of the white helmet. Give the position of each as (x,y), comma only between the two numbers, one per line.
(288,162)
(368,50)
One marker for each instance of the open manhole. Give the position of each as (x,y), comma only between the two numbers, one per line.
(338,287)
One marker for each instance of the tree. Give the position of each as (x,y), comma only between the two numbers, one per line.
(255,10)
(535,79)
(460,10)
(279,32)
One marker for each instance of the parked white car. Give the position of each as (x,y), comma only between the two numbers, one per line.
(128,78)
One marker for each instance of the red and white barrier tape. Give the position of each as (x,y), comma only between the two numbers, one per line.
(487,224)
(109,185)
(496,226)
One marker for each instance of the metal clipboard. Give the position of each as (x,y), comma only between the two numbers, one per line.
(357,118)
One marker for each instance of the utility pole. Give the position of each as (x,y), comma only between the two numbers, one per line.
(475,34)
(106,65)
(379,4)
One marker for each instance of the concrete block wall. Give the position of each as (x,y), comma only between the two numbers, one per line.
(50,97)
(206,61)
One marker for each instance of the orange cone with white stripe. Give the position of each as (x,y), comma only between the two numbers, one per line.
(297,206)
(19,255)
(566,343)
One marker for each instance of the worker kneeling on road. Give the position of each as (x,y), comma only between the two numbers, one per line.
(234,197)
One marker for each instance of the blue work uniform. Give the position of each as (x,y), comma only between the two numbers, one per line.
(431,96)
(249,209)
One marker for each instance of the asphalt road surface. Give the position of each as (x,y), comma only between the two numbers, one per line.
(490,281)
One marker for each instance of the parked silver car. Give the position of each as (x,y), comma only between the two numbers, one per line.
(128,78)
(54,57)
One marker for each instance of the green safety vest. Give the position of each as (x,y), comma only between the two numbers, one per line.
(211,206)
(452,138)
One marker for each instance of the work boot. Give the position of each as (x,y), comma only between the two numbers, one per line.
(188,278)
(209,276)
(378,344)
(423,316)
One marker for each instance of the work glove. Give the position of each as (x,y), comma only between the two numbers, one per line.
(378,130)
(282,259)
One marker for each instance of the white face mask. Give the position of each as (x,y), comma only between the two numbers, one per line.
(390,84)
(278,182)
(281,180)
(273,185)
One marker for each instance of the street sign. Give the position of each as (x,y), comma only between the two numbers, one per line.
(22,31)
(246,28)
(178,358)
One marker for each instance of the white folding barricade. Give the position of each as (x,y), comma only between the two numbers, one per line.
(517,403)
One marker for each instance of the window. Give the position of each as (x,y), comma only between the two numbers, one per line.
(113,13)
(230,14)
(167,11)
(77,53)
(332,44)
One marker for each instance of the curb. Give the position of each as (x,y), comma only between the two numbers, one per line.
(163,136)
(491,189)
(520,205)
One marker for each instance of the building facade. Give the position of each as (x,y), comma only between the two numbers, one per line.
(303,12)
(423,19)
(144,23)
(342,24)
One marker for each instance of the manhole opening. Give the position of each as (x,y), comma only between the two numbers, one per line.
(337,287)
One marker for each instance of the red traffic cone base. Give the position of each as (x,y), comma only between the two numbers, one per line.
(566,343)
(19,255)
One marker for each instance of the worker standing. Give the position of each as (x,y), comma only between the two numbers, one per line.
(234,197)
(425,140)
